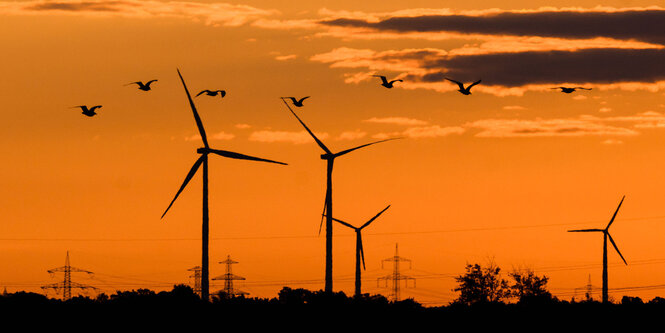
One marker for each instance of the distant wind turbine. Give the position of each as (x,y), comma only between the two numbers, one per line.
(606,235)
(329,156)
(360,253)
(203,160)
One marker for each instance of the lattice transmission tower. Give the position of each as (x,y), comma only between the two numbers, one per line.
(228,278)
(589,290)
(197,279)
(66,285)
(396,277)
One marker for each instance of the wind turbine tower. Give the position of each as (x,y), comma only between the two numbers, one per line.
(203,160)
(66,285)
(360,252)
(397,276)
(329,157)
(606,236)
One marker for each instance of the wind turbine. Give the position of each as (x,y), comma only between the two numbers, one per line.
(329,156)
(203,160)
(606,235)
(360,253)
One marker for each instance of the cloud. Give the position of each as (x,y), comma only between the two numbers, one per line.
(511,73)
(216,13)
(421,132)
(352,135)
(514,107)
(215,136)
(396,121)
(612,142)
(576,127)
(301,137)
(243,126)
(604,110)
(286,57)
(644,24)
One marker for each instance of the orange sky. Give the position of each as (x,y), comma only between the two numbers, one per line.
(499,175)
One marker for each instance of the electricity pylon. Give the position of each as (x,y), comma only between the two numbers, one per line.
(197,279)
(66,285)
(228,278)
(396,276)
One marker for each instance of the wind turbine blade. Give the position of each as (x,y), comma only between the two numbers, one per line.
(585,230)
(362,251)
(323,214)
(616,248)
(199,123)
(374,218)
(191,173)
(344,223)
(615,213)
(308,130)
(365,145)
(239,156)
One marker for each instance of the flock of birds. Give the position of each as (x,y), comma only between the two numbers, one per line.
(90,111)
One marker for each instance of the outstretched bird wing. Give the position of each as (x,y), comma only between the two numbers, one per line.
(95,107)
(461,86)
(199,123)
(149,82)
(302,99)
(222,92)
(202,92)
(473,84)
(383,78)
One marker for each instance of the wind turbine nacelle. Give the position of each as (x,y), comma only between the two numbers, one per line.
(203,150)
(327,156)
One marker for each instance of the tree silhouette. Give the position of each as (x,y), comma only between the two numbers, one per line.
(481,285)
(528,287)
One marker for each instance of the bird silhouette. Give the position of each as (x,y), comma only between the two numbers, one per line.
(87,111)
(385,82)
(142,86)
(222,93)
(568,90)
(465,91)
(297,102)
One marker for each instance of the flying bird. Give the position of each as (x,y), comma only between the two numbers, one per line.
(87,111)
(386,83)
(464,91)
(222,93)
(142,86)
(568,90)
(297,102)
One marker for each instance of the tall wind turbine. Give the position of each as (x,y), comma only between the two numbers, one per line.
(606,235)
(360,253)
(203,160)
(329,156)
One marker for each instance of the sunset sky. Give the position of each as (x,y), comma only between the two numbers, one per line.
(498,175)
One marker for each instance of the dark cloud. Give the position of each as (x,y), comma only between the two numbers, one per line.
(550,67)
(106,6)
(643,25)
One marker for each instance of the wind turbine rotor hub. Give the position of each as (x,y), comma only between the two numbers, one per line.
(327,156)
(203,150)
